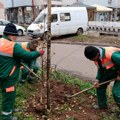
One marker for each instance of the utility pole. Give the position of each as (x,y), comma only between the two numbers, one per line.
(11,11)
(33,9)
(13,3)
(48,53)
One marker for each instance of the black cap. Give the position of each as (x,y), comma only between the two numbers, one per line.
(90,52)
(10,29)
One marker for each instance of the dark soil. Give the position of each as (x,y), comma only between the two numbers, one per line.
(63,108)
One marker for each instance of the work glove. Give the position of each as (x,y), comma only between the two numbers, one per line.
(42,52)
(96,84)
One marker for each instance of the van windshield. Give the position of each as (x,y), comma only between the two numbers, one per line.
(40,19)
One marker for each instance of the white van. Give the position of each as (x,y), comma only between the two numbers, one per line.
(64,20)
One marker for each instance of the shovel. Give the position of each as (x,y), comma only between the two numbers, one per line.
(30,70)
(70,96)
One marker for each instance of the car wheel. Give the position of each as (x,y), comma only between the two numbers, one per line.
(20,32)
(79,31)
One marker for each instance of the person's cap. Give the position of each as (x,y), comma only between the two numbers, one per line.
(10,29)
(90,52)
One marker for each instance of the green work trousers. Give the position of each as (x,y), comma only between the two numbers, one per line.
(116,93)
(8,100)
(101,91)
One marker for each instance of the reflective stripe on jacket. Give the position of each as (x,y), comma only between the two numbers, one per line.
(6,113)
(106,61)
(6,47)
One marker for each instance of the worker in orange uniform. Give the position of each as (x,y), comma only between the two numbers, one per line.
(107,59)
(10,55)
(29,46)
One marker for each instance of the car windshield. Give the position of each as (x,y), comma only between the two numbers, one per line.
(5,22)
(40,19)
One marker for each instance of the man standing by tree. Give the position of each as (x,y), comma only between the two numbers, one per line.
(10,55)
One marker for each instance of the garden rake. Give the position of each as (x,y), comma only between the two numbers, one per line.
(30,71)
(70,96)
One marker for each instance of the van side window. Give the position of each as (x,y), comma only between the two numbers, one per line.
(65,17)
(54,18)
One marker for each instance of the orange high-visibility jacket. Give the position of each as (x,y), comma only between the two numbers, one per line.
(106,61)
(24,46)
(10,55)
(6,47)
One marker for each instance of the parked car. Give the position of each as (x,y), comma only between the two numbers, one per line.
(21,30)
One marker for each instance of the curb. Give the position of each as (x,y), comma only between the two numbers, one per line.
(81,43)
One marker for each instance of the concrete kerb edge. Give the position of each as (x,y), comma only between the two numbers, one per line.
(81,43)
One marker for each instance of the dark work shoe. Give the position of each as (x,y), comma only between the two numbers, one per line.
(30,81)
(118,115)
(95,106)
(99,108)
(16,110)
(22,81)
(13,118)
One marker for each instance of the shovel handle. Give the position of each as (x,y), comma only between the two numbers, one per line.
(90,88)
(29,70)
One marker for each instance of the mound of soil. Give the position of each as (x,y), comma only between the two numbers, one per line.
(63,108)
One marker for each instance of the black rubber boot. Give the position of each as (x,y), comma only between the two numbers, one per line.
(95,106)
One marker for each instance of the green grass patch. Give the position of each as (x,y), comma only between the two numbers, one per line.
(26,90)
(68,79)
(81,38)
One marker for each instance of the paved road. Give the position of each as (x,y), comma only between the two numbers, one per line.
(23,39)
(70,58)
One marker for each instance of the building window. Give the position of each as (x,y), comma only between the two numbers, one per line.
(65,17)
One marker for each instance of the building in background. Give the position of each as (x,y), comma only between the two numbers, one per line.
(68,3)
(102,13)
(25,11)
(90,9)
(114,4)
(96,12)
(2,16)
